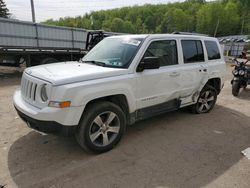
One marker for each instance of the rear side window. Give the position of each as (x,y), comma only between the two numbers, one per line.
(212,50)
(192,51)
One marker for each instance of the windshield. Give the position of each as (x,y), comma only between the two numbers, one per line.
(114,52)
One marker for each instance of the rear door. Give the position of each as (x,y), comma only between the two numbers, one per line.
(194,69)
(215,61)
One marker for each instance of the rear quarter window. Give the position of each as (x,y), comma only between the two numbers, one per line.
(212,50)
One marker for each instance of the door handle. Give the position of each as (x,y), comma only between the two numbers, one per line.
(174,74)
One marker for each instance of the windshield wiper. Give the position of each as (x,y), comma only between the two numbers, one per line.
(99,63)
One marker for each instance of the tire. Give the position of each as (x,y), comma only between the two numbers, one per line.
(101,127)
(235,88)
(48,60)
(206,100)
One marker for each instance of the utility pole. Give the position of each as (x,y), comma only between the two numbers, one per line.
(242,26)
(216,29)
(33,11)
(34,21)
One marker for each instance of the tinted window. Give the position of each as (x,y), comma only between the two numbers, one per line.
(192,51)
(166,50)
(212,50)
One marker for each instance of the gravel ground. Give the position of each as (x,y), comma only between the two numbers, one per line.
(177,149)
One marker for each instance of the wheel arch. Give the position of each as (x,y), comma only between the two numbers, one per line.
(120,100)
(215,83)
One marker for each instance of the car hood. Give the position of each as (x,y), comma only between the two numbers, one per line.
(70,72)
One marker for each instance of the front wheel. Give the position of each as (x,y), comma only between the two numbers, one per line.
(235,88)
(206,100)
(101,127)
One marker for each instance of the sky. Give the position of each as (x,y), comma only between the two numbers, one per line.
(46,9)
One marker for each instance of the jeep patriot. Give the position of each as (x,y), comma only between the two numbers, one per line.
(123,79)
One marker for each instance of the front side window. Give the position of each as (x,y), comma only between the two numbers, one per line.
(192,51)
(115,52)
(166,50)
(212,50)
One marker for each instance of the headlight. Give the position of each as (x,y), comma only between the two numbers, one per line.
(241,72)
(235,72)
(44,95)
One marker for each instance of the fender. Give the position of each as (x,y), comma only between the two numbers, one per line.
(80,94)
(93,95)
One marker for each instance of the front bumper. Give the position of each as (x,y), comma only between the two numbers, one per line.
(47,119)
(47,126)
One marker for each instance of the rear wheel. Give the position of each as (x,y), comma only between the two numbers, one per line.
(235,88)
(206,100)
(101,127)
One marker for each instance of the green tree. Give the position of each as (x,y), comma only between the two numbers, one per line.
(106,25)
(245,16)
(117,25)
(209,17)
(224,17)
(219,19)
(128,27)
(175,20)
(191,9)
(4,11)
(231,19)
(197,1)
(139,26)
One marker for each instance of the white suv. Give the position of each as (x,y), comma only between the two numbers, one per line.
(121,80)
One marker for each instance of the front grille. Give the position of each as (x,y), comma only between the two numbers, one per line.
(28,89)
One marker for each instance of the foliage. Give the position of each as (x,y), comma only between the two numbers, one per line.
(4,11)
(220,17)
(224,17)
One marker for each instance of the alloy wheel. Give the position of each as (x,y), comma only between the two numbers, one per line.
(206,101)
(104,129)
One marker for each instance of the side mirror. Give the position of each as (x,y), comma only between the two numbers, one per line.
(149,63)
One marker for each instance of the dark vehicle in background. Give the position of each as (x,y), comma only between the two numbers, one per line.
(35,44)
(241,78)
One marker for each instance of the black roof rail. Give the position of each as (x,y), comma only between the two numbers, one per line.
(189,33)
